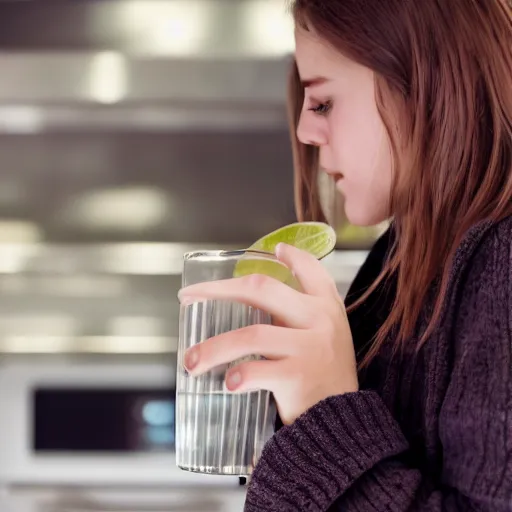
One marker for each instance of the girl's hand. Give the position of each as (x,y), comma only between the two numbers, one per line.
(309,354)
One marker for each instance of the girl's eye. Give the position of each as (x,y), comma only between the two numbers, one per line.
(321,108)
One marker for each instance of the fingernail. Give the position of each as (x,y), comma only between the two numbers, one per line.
(187,300)
(184,300)
(233,380)
(181,296)
(279,249)
(191,359)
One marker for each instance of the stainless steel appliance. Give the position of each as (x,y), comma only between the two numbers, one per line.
(97,436)
(147,120)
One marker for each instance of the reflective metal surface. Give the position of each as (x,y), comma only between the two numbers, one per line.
(183,28)
(103,298)
(142,120)
(153,120)
(131,132)
(203,188)
(109,77)
(172,64)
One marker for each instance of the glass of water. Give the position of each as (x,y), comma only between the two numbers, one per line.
(217,431)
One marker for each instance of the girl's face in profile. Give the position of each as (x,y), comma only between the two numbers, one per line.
(340,116)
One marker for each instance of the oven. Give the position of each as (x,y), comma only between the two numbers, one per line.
(91,435)
(74,421)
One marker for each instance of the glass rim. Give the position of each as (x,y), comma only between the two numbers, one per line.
(224,254)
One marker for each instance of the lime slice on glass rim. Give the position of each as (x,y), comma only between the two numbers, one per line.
(316,238)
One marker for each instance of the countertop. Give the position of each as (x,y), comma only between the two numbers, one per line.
(193,499)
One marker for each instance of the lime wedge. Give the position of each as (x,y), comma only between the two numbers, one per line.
(251,264)
(317,238)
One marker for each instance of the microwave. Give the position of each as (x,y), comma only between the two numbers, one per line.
(91,422)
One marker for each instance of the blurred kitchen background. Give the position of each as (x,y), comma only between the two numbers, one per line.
(131,131)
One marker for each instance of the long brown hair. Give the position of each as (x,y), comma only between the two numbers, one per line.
(443,72)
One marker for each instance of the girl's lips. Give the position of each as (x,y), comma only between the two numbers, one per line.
(334,174)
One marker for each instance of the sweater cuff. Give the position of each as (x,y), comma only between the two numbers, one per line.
(307,465)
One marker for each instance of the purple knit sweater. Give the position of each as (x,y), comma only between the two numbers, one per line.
(431,431)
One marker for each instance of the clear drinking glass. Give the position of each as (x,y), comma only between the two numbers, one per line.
(219,432)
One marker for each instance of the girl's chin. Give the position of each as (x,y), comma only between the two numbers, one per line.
(361,215)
